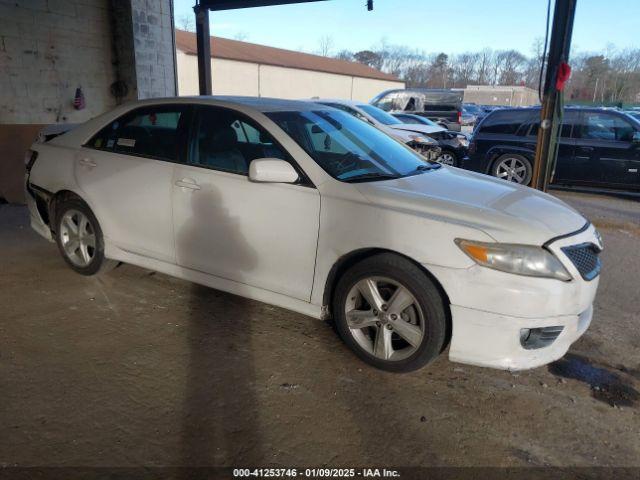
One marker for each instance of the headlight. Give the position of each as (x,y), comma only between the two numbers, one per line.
(421,139)
(519,259)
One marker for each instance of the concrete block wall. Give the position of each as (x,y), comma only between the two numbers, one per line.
(154,48)
(48,48)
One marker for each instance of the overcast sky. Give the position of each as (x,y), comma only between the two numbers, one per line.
(429,25)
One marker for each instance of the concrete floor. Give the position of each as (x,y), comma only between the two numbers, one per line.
(137,368)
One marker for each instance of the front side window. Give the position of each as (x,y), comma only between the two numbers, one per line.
(147,132)
(348,149)
(224,140)
(604,126)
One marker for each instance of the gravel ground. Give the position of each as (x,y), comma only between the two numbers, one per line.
(136,368)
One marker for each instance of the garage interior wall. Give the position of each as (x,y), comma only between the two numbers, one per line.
(232,77)
(49,48)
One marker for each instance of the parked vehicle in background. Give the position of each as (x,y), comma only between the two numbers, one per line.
(476,110)
(454,145)
(415,138)
(308,208)
(597,147)
(633,113)
(440,105)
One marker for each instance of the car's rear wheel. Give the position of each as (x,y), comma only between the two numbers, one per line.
(80,239)
(447,157)
(513,168)
(390,313)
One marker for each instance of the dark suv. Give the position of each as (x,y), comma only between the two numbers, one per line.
(597,147)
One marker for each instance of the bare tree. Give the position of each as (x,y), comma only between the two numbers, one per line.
(186,23)
(325,45)
(241,36)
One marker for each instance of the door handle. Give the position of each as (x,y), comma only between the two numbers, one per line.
(633,170)
(189,183)
(587,149)
(87,162)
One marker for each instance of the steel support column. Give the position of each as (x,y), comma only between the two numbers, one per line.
(552,100)
(203,39)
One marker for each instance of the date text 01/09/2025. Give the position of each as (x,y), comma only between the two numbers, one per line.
(315,473)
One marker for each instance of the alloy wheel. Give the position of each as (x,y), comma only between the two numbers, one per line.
(446,159)
(512,169)
(78,238)
(384,318)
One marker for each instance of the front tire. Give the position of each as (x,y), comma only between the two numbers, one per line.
(447,157)
(390,313)
(513,168)
(79,238)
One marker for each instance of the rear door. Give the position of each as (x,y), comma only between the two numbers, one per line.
(606,138)
(125,172)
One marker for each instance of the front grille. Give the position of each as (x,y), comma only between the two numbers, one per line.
(586,259)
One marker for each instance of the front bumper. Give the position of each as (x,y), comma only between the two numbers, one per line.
(492,340)
(490,309)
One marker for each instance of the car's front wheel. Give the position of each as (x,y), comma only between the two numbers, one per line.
(513,168)
(80,239)
(390,313)
(447,157)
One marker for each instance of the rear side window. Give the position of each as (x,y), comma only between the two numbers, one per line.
(604,126)
(145,132)
(505,122)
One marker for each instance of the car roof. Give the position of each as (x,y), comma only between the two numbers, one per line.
(261,104)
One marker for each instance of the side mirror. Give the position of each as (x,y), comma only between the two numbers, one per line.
(636,137)
(272,170)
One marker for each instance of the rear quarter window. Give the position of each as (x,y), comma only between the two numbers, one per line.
(505,122)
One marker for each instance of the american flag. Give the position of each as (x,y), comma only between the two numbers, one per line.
(78,101)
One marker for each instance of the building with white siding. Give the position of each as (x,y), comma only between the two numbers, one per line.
(241,68)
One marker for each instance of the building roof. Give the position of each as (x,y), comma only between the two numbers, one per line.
(254,53)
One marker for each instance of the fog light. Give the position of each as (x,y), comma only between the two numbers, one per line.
(533,338)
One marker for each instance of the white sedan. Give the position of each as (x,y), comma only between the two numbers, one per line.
(308,208)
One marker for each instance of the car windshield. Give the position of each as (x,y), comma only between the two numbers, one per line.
(380,115)
(426,121)
(349,149)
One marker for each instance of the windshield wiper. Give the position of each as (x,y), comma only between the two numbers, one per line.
(363,177)
(425,167)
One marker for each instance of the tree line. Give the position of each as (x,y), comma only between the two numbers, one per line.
(611,76)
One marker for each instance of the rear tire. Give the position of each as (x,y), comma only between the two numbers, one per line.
(79,238)
(400,329)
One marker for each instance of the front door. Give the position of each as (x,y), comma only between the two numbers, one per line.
(126,174)
(259,234)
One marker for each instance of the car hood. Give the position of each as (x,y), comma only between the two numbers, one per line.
(505,211)
(412,127)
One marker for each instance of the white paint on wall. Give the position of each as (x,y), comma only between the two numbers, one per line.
(230,77)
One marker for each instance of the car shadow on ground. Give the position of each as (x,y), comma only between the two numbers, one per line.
(220,410)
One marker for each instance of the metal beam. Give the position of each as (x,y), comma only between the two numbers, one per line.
(203,39)
(552,99)
(215,5)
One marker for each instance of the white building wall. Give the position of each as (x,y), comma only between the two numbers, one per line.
(230,77)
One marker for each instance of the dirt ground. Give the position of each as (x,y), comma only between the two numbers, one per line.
(137,368)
